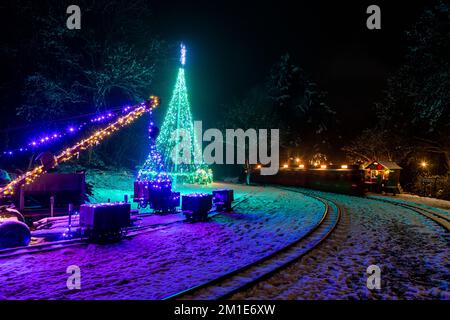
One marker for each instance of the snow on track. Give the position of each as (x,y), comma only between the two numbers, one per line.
(412,251)
(156,264)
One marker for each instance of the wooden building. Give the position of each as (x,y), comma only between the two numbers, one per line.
(382,176)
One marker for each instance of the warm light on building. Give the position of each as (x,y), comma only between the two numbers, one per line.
(323,166)
(258,166)
(301,166)
(297,159)
(285,166)
(344,166)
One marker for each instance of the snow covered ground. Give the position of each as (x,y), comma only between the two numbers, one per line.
(425,201)
(159,263)
(412,252)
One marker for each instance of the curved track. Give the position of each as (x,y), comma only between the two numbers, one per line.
(249,275)
(439,218)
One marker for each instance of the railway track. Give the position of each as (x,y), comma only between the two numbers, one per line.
(439,218)
(130,233)
(245,277)
(38,248)
(154,227)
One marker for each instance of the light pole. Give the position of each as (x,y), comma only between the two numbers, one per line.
(424,166)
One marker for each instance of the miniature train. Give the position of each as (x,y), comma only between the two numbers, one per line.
(339,179)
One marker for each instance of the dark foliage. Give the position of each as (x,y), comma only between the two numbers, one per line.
(413,118)
(62,73)
(292,102)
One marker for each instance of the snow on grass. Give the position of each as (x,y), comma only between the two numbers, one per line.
(159,263)
(438,205)
(412,252)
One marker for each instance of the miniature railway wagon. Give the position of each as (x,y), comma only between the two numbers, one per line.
(223,199)
(196,206)
(159,196)
(141,193)
(104,221)
(165,203)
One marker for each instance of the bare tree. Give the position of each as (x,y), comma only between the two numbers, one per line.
(113,57)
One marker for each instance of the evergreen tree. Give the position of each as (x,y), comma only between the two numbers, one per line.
(301,106)
(416,104)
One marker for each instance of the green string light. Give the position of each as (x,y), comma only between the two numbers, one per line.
(178,118)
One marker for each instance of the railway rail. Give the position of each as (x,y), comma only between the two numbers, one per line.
(439,218)
(129,233)
(248,276)
(245,277)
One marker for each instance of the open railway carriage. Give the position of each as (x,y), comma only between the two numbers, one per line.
(104,221)
(196,206)
(223,199)
(349,180)
(159,196)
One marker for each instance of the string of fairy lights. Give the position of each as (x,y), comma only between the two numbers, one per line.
(153,167)
(158,166)
(94,139)
(46,138)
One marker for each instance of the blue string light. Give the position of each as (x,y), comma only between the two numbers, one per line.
(45,139)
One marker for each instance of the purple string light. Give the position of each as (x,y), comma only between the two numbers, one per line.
(46,139)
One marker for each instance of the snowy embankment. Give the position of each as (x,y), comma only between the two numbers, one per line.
(162,262)
(442,206)
(412,252)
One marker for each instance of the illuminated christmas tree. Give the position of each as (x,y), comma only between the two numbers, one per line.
(177,136)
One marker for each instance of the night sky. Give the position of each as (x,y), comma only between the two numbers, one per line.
(233,45)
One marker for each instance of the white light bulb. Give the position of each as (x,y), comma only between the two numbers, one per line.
(183,54)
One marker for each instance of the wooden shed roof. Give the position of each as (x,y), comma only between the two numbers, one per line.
(387,164)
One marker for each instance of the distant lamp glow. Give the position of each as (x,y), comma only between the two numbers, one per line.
(344,166)
(302,166)
(285,166)
(323,166)
(258,166)
(424,164)
(297,160)
(183,54)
